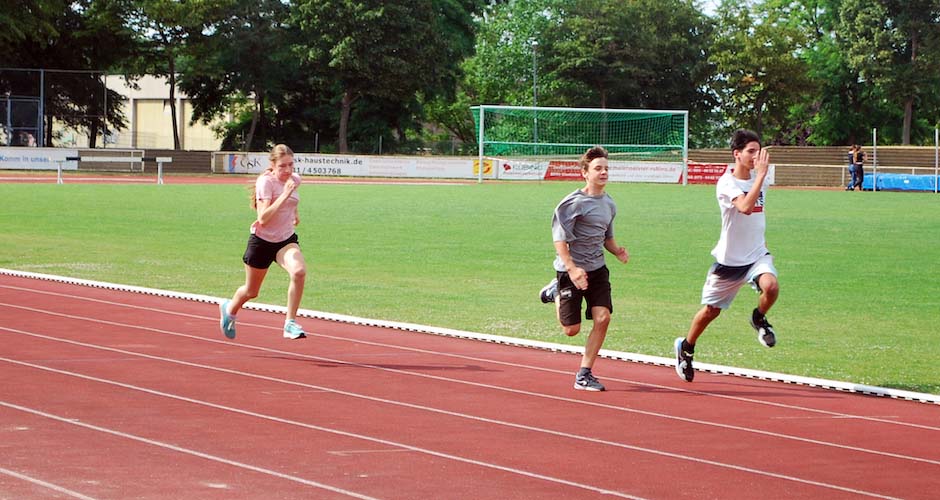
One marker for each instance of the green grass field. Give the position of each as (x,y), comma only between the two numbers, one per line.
(859,272)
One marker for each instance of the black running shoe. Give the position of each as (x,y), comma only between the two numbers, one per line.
(587,382)
(683,361)
(765,332)
(549,291)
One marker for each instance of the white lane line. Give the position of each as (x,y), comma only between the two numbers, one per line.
(45,484)
(180,449)
(470,417)
(469,383)
(273,418)
(830,385)
(350,453)
(487,360)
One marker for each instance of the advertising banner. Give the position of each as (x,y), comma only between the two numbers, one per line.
(563,170)
(450,167)
(487,168)
(36,158)
(708,173)
(669,173)
(520,169)
(705,173)
(360,166)
(569,170)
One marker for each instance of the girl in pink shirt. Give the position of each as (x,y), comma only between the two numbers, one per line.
(272,239)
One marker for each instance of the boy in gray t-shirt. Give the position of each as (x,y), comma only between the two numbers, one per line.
(582,228)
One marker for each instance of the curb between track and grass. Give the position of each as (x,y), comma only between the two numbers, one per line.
(500,339)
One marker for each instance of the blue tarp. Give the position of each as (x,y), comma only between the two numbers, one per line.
(900,182)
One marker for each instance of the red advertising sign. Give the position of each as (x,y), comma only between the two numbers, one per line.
(561,170)
(705,173)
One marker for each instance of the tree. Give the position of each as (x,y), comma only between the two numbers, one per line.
(167,26)
(895,44)
(508,54)
(78,42)
(761,73)
(386,50)
(592,53)
(512,37)
(641,54)
(837,114)
(245,56)
(104,42)
(28,20)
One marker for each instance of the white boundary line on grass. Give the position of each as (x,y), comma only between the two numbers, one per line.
(500,339)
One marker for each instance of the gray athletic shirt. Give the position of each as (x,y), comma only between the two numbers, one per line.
(585,222)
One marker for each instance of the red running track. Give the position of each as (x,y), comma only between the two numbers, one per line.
(110,394)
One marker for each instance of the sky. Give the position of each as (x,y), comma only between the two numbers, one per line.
(709,6)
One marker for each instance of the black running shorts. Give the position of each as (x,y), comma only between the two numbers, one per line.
(260,253)
(569,296)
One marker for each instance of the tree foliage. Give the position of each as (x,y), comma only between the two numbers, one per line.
(370,75)
(592,53)
(387,51)
(639,54)
(222,73)
(762,73)
(895,46)
(166,27)
(75,41)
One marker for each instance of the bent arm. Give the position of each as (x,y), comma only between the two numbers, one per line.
(620,252)
(578,275)
(745,203)
(561,247)
(267,208)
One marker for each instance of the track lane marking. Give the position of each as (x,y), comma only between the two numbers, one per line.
(462,415)
(492,361)
(45,484)
(180,449)
(272,418)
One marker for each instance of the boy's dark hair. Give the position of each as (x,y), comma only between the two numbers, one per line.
(590,155)
(741,137)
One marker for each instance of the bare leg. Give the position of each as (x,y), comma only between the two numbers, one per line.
(700,321)
(292,260)
(596,338)
(770,289)
(253,279)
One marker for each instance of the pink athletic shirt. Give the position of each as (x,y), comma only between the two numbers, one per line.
(281,225)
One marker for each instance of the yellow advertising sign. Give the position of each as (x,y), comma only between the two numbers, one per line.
(487,167)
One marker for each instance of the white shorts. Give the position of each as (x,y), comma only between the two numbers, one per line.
(723,282)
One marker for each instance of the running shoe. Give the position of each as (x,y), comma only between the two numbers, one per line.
(549,291)
(765,332)
(293,331)
(587,382)
(226,320)
(683,361)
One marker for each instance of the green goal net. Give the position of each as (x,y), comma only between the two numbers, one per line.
(550,133)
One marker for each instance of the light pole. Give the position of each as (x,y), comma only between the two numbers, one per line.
(535,94)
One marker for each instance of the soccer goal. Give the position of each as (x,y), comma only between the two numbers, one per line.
(525,142)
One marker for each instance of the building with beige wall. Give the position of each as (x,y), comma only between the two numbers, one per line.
(149,120)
